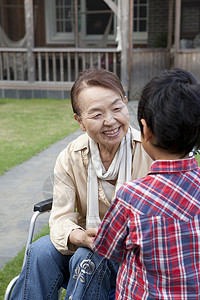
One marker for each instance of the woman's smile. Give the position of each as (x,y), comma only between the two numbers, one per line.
(112,132)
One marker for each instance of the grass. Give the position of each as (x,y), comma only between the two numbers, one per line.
(29,126)
(198,158)
(13,267)
(26,128)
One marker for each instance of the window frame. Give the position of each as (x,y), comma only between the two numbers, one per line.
(53,37)
(141,36)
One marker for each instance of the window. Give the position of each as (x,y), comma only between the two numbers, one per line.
(60,17)
(64,16)
(95,19)
(140,20)
(97,22)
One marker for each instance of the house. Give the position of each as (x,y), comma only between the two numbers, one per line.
(44,44)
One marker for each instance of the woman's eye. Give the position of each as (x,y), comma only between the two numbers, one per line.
(97,116)
(117,109)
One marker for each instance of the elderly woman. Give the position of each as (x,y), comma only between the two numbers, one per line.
(87,175)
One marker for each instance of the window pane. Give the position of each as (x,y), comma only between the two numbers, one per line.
(135,11)
(59,13)
(68,26)
(67,2)
(143,11)
(67,13)
(142,26)
(140,16)
(59,26)
(64,16)
(58,2)
(135,28)
(96,5)
(97,22)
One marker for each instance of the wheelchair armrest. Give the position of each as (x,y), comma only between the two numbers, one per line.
(43,206)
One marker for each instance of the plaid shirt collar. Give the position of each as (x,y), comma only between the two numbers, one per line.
(173,166)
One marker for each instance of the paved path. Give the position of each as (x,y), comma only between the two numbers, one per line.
(25,185)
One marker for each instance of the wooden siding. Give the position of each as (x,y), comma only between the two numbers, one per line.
(189,59)
(146,63)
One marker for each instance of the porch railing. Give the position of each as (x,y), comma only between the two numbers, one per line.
(55,64)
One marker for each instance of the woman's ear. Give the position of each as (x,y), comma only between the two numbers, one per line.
(125,99)
(147,133)
(78,119)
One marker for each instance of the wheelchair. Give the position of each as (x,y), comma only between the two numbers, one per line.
(39,208)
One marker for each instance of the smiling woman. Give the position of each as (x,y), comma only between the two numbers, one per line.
(105,117)
(29,126)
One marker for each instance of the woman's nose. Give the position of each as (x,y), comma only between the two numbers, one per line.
(109,119)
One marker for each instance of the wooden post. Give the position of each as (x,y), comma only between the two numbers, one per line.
(76,25)
(170,31)
(125,43)
(170,23)
(130,63)
(28,7)
(177,30)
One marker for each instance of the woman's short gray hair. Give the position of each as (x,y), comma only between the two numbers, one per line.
(95,77)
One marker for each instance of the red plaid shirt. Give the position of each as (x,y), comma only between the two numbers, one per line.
(153,229)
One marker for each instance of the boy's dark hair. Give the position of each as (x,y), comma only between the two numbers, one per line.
(170,105)
(95,77)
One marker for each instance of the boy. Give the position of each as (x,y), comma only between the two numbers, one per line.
(153,225)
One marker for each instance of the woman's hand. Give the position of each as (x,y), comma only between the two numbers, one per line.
(81,238)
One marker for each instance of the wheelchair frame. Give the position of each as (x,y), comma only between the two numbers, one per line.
(39,208)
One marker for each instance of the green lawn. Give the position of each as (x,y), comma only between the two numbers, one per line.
(29,126)
(198,158)
(26,128)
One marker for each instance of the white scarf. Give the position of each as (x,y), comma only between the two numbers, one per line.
(119,169)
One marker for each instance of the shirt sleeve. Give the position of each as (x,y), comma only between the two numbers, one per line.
(110,240)
(63,217)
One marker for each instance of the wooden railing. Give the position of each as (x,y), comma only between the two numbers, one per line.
(13,64)
(55,64)
(60,66)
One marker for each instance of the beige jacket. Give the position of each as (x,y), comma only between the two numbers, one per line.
(70,188)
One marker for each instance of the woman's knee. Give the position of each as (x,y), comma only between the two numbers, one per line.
(43,259)
(43,251)
(81,254)
(40,248)
(86,258)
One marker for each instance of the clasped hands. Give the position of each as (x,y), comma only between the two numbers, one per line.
(83,238)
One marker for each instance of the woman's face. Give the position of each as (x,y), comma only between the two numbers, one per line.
(104,116)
